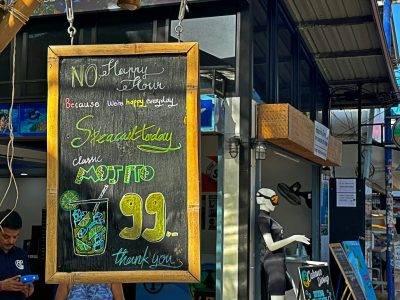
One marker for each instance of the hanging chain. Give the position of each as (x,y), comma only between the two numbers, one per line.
(69,10)
(182,10)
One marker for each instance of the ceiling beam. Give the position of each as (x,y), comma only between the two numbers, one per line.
(349,54)
(11,23)
(367,100)
(326,22)
(336,22)
(358,81)
(263,61)
(327,55)
(352,104)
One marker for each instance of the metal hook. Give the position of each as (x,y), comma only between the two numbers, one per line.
(69,10)
(70,14)
(183,9)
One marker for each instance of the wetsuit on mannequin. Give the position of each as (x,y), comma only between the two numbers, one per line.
(272,255)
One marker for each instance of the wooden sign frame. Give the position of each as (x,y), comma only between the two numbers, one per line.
(55,53)
(349,288)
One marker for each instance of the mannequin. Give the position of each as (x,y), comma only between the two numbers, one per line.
(272,255)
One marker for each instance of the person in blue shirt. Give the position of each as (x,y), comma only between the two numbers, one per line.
(93,291)
(13,260)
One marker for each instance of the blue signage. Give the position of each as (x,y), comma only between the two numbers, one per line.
(28,119)
(357,261)
(395,110)
(211,114)
(397,75)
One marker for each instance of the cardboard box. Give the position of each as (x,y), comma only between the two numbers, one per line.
(290,129)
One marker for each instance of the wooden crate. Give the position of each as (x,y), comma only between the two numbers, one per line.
(290,129)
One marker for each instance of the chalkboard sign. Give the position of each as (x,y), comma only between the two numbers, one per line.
(123,163)
(316,283)
(356,259)
(347,271)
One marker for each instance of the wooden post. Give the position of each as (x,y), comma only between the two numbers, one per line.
(10,25)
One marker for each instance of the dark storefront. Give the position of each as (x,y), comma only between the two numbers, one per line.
(251,52)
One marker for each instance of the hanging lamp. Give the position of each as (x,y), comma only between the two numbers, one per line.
(129,4)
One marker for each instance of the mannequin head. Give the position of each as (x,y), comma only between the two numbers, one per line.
(267,199)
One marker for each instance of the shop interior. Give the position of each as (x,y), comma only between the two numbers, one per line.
(373,158)
(291,178)
(31,204)
(217,49)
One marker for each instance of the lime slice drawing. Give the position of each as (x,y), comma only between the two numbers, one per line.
(81,246)
(67,200)
(95,230)
(86,219)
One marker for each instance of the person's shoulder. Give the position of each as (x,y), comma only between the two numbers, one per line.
(19,252)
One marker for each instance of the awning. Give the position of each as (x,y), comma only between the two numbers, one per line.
(347,41)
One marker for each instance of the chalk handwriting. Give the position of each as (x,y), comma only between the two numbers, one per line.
(122,258)
(86,160)
(152,138)
(115,103)
(146,259)
(131,205)
(87,75)
(137,83)
(69,103)
(164,261)
(159,102)
(315,273)
(323,280)
(113,174)
(112,68)
(135,103)
(139,77)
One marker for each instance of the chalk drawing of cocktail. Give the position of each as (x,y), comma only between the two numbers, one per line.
(89,224)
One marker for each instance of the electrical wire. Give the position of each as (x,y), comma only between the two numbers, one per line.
(341,121)
(349,119)
(353,121)
(10,145)
(366,122)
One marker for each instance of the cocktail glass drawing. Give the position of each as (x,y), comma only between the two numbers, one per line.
(89,225)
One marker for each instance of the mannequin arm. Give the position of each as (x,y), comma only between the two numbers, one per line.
(273,246)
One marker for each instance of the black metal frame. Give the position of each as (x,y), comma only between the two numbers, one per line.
(87,25)
(244,87)
(276,10)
